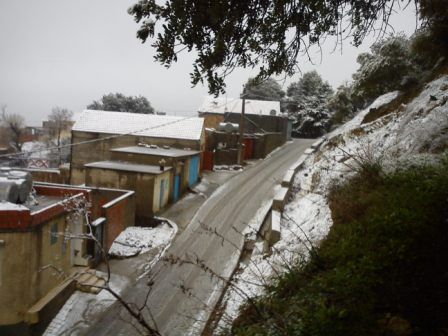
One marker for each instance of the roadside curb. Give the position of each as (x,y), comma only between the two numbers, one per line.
(270,228)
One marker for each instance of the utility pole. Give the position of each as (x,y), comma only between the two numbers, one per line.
(240,139)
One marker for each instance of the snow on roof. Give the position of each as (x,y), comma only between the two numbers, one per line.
(169,152)
(223,105)
(149,125)
(127,166)
(8,206)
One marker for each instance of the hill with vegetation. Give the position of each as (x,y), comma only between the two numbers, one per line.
(365,236)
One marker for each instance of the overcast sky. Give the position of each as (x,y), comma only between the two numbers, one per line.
(69,53)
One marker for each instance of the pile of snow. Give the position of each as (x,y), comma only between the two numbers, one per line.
(136,240)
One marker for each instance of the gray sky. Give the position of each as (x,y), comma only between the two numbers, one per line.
(69,53)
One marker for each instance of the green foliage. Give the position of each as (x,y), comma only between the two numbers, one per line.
(307,104)
(268,89)
(428,45)
(382,266)
(384,69)
(252,33)
(341,105)
(120,103)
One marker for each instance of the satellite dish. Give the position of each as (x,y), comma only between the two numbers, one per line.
(273,112)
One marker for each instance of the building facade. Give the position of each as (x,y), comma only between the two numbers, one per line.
(96,133)
(36,258)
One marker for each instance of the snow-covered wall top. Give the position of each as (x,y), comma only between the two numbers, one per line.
(223,105)
(150,125)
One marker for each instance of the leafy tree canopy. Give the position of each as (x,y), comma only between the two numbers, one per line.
(310,85)
(342,104)
(121,103)
(268,34)
(268,89)
(384,68)
(307,104)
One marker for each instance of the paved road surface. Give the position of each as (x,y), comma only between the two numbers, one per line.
(180,292)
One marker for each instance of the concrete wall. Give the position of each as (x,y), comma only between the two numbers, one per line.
(142,184)
(229,139)
(257,124)
(47,175)
(212,120)
(92,152)
(181,166)
(119,214)
(266,143)
(175,143)
(100,150)
(226,157)
(263,145)
(141,158)
(22,256)
(27,246)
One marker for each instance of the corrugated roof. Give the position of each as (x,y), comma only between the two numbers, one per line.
(127,166)
(150,125)
(170,152)
(222,105)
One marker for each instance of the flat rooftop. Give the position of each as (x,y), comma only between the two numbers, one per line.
(44,201)
(167,152)
(127,166)
(41,202)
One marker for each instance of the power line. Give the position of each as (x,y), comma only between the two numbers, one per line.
(94,140)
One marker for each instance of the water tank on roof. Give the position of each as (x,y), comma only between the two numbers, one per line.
(23,182)
(228,127)
(9,191)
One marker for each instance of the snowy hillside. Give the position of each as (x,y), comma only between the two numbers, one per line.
(413,133)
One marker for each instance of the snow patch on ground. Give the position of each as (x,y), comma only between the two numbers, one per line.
(135,240)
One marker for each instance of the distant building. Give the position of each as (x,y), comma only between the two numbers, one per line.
(265,128)
(31,133)
(121,129)
(219,110)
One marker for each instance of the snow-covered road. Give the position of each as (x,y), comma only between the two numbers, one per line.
(179,292)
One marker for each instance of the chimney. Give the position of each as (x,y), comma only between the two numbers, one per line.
(162,164)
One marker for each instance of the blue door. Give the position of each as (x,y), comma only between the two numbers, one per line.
(194,171)
(176,189)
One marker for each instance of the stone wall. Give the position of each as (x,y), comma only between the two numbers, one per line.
(23,256)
